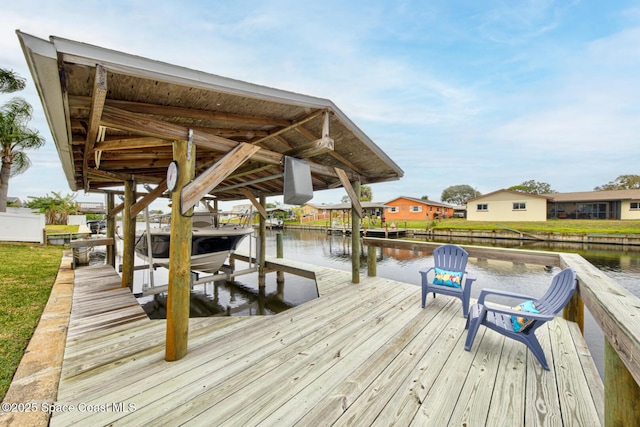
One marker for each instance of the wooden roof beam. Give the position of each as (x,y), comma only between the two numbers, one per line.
(145,125)
(294,125)
(102,174)
(98,98)
(314,148)
(304,132)
(169,111)
(130,143)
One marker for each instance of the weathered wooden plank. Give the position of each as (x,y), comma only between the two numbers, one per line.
(382,383)
(198,390)
(573,390)
(487,368)
(541,405)
(508,395)
(335,302)
(596,387)
(348,347)
(201,376)
(98,381)
(436,406)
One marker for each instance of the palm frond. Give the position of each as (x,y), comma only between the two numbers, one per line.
(11,81)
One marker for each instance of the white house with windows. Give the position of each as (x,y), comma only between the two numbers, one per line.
(507,205)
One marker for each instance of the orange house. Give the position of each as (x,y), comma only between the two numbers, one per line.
(410,209)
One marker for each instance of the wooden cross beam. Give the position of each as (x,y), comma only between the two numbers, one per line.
(355,200)
(249,195)
(215,174)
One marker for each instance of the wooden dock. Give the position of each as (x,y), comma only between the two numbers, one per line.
(364,354)
(389,233)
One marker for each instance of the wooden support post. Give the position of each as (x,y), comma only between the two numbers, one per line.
(621,391)
(111,231)
(355,234)
(216,214)
(279,254)
(574,311)
(262,245)
(129,235)
(179,258)
(372,252)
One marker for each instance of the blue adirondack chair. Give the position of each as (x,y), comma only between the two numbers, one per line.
(517,324)
(449,276)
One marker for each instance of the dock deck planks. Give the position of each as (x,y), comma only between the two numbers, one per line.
(360,354)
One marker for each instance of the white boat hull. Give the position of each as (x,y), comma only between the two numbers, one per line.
(210,247)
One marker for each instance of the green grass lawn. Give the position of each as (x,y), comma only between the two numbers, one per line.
(27,274)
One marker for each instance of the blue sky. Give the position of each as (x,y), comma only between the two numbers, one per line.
(488,94)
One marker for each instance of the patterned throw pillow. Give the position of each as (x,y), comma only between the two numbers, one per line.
(447,278)
(520,323)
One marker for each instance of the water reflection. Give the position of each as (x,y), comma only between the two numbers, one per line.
(223,298)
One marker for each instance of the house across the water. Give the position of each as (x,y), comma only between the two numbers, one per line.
(507,205)
(408,208)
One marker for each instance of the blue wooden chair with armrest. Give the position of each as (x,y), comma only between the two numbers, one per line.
(449,275)
(520,323)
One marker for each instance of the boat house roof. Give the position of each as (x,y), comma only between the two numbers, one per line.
(114,116)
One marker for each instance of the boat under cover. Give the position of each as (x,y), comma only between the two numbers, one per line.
(210,247)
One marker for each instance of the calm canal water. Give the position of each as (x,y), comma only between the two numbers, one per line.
(241,297)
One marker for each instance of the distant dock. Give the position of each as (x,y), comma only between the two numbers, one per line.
(369,232)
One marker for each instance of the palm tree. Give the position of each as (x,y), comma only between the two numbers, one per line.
(10,81)
(15,137)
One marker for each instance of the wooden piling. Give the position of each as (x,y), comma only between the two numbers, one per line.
(355,238)
(262,245)
(621,391)
(179,258)
(129,225)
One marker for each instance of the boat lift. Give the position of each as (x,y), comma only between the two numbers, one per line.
(227,272)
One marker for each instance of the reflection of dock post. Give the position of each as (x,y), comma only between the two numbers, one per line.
(262,245)
(279,254)
(371,261)
(111,230)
